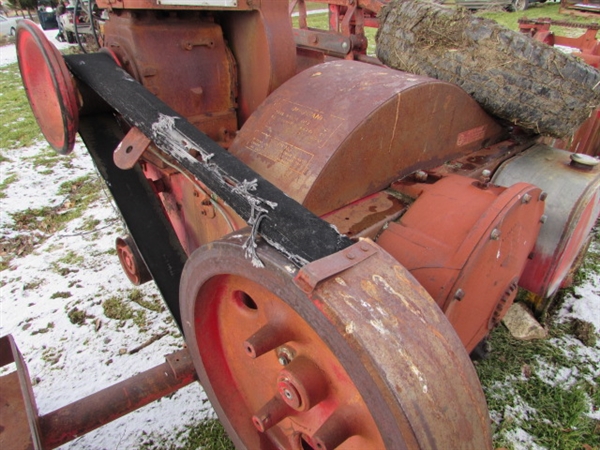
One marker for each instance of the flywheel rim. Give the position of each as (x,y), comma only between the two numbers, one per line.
(201,326)
(49,86)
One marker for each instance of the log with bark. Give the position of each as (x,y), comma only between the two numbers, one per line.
(513,77)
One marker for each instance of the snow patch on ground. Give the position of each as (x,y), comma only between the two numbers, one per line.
(585,303)
(522,440)
(68,361)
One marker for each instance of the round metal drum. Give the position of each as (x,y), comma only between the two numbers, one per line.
(343,130)
(572,208)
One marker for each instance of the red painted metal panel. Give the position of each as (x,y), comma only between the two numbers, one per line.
(467,244)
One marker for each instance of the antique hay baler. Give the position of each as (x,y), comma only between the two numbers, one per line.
(333,236)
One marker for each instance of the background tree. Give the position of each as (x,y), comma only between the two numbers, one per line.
(26,5)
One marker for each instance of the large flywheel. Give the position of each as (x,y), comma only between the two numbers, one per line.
(365,361)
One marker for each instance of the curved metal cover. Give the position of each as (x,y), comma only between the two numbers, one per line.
(342,130)
(467,246)
(572,208)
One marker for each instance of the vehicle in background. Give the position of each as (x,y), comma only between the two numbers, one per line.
(46,12)
(8,25)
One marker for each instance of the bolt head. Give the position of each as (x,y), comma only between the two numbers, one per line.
(495,234)
(420,175)
(459,294)
(285,355)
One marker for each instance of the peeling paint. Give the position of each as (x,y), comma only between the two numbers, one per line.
(382,312)
(369,288)
(350,301)
(422,380)
(296,259)
(340,281)
(378,279)
(335,228)
(165,127)
(379,326)
(350,328)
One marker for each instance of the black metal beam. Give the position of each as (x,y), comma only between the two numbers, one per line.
(282,222)
(140,208)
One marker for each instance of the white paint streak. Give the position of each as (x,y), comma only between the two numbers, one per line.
(420,377)
(378,279)
(379,326)
(340,281)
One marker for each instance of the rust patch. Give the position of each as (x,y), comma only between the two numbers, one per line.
(468,137)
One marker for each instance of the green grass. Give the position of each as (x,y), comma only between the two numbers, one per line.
(153,304)
(32,226)
(208,434)
(549,10)
(77,316)
(127,308)
(78,194)
(17,124)
(118,308)
(10,178)
(524,391)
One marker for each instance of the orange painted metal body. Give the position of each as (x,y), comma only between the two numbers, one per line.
(203,89)
(467,243)
(587,43)
(184,61)
(400,159)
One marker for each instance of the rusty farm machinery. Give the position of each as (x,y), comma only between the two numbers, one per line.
(333,235)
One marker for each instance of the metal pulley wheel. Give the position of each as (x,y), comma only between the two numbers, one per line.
(366,360)
(49,86)
(131,261)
